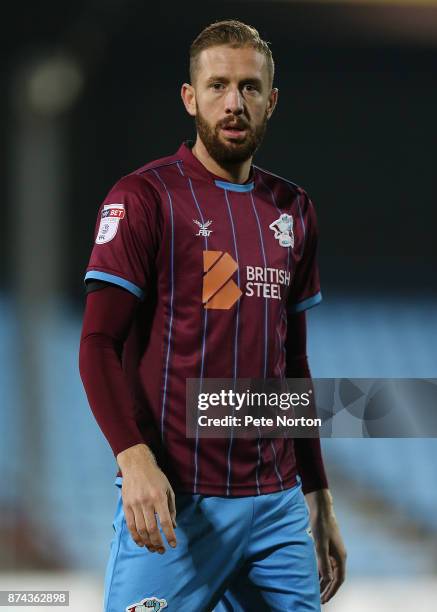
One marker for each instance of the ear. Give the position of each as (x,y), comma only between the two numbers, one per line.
(273,100)
(188,96)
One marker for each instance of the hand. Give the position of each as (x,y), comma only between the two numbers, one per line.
(331,553)
(146,492)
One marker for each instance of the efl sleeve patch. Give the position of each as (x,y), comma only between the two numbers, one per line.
(110,218)
(127,234)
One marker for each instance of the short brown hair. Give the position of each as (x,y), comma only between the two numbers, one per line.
(234,34)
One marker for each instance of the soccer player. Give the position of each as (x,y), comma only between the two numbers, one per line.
(203,266)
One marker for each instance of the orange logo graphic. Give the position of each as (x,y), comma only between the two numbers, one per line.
(219,290)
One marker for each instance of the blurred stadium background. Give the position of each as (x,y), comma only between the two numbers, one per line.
(90,92)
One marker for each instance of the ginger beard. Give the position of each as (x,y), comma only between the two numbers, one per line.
(227,151)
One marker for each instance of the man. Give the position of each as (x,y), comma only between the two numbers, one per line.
(203,266)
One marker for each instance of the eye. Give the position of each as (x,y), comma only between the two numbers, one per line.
(217,86)
(250,87)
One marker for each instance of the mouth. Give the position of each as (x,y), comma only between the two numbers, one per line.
(235,133)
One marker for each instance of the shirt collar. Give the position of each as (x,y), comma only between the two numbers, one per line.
(196,169)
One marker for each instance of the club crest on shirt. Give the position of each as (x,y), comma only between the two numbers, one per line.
(203,228)
(148,604)
(283,230)
(109,220)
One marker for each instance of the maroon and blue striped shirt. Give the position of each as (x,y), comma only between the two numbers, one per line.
(217,267)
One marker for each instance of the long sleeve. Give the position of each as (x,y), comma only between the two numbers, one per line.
(307,450)
(108,316)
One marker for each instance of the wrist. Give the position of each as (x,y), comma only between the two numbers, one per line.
(134,455)
(320,502)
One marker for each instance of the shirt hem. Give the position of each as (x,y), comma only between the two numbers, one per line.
(235,490)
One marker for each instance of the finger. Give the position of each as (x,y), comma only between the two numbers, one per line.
(131,525)
(325,571)
(325,594)
(166,523)
(152,528)
(324,587)
(331,588)
(335,583)
(341,562)
(339,571)
(141,528)
(172,507)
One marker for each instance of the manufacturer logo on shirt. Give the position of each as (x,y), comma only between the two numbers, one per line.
(283,230)
(203,228)
(109,220)
(147,604)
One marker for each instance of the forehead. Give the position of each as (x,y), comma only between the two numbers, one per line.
(236,63)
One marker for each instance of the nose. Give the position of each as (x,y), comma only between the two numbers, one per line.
(234,102)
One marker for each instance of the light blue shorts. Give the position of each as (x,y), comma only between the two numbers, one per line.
(233,554)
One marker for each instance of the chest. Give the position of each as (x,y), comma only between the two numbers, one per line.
(241,241)
(252,229)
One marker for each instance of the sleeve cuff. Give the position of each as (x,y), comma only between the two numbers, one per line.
(115,280)
(305,304)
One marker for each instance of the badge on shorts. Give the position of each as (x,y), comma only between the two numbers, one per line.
(146,604)
(111,216)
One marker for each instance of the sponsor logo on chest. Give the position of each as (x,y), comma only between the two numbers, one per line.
(224,282)
(220,291)
(266,282)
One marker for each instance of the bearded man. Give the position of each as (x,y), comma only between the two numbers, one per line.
(179,245)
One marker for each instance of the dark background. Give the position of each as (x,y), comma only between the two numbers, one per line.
(355,124)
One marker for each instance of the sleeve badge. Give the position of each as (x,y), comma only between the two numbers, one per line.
(110,218)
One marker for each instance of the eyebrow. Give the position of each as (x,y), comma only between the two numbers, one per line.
(222,79)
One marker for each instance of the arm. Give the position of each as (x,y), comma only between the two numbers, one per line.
(108,316)
(107,319)
(307,450)
(330,549)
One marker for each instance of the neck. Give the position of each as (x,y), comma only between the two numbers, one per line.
(234,173)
